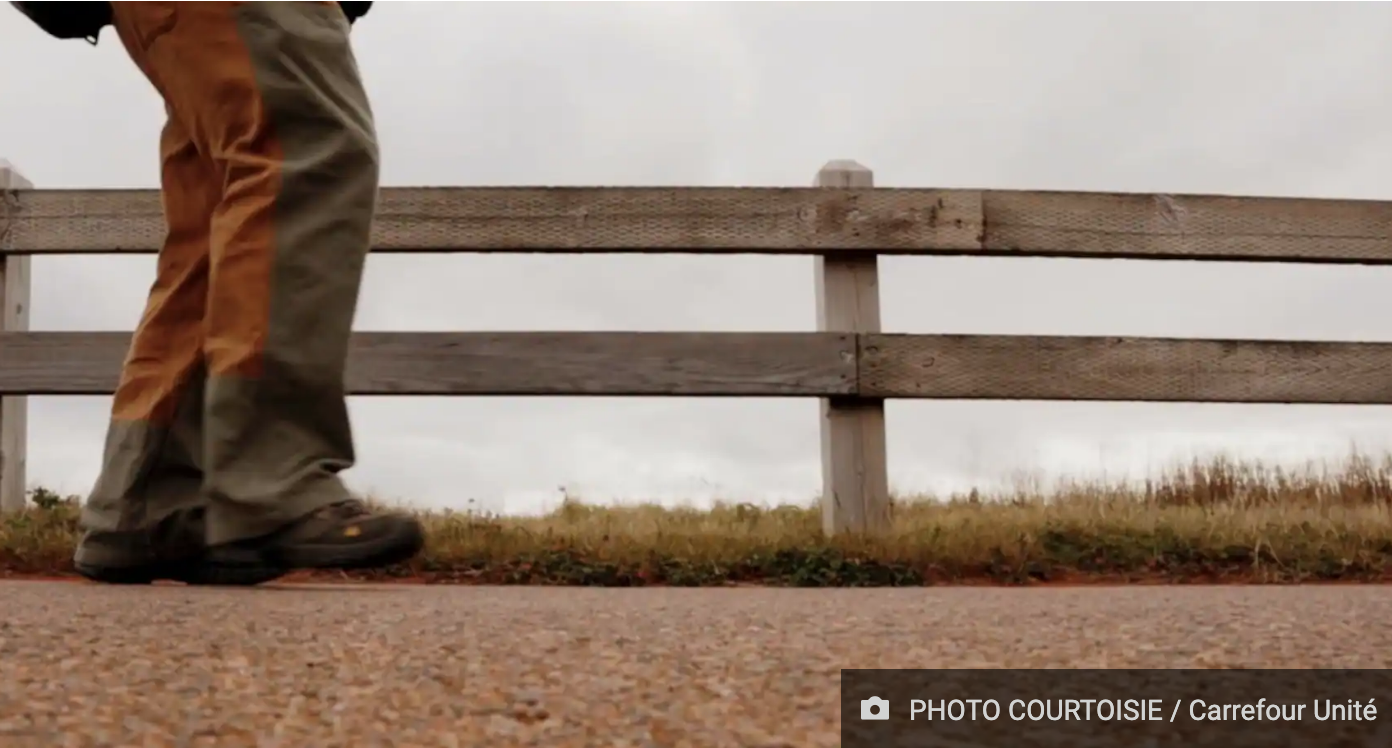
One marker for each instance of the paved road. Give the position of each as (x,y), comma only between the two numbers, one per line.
(83,665)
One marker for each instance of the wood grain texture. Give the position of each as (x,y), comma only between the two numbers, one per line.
(14,317)
(996,367)
(483,363)
(716,220)
(1193,227)
(855,471)
(14,411)
(1007,367)
(724,220)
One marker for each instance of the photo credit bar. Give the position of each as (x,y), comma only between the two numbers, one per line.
(1067,708)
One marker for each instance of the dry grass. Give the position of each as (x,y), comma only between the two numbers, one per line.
(1217,521)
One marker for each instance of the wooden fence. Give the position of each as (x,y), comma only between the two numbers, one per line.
(849,363)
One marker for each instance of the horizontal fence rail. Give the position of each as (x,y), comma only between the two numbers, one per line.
(716,220)
(844,222)
(511,363)
(740,364)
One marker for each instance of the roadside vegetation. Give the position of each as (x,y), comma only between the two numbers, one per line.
(1215,521)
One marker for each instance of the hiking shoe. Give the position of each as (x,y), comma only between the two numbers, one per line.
(344,535)
(171,551)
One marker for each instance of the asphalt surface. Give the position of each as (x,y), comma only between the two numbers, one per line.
(86,665)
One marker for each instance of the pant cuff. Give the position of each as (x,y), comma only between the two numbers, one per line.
(229,521)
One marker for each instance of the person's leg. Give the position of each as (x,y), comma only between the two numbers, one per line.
(143,519)
(270,90)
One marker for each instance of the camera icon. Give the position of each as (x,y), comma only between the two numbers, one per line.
(874,708)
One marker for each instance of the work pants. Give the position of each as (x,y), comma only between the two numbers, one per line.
(232,395)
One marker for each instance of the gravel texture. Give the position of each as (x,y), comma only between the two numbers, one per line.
(328,665)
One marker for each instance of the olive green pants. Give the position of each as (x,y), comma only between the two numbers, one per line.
(232,394)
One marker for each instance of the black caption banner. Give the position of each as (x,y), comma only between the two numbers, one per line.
(1086,708)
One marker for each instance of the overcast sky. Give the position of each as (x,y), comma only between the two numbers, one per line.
(1252,98)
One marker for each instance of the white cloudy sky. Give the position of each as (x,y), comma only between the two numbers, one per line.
(1275,99)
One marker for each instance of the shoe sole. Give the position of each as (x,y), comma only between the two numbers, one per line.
(394,548)
(197,574)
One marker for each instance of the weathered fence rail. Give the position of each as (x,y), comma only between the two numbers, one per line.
(849,363)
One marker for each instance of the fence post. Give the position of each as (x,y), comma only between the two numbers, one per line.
(14,317)
(855,476)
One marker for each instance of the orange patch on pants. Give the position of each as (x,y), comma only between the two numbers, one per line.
(168,342)
(221,176)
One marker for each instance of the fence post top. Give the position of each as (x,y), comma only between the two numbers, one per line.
(11,179)
(844,172)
